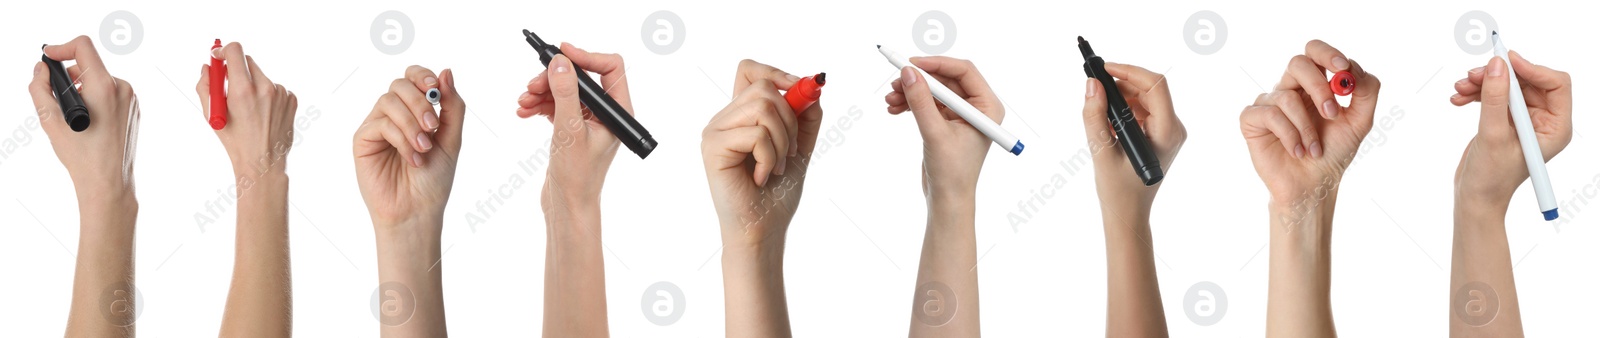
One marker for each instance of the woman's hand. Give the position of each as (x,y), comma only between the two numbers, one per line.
(1492,166)
(100,158)
(952,150)
(756,152)
(262,112)
(1146,92)
(406,152)
(1300,139)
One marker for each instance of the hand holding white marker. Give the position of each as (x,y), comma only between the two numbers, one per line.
(967,112)
(1530,141)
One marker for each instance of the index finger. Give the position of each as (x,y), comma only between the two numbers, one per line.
(1328,57)
(963,71)
(238,68)
(423,78)
(1149,84)
(82,50)
(751,71)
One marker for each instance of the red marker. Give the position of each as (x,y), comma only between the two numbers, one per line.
(219,93)
(805,92)
(1343,83)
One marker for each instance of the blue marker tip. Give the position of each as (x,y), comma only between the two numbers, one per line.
(1550,215)
(1017,149)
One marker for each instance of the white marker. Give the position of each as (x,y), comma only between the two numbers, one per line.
(967,112)
(1530,141)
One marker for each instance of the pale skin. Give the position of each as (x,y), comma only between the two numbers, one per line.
(100,163)
(580,155)
(1491,168)
(756,152)
(952,156)
(257,138)
(1301,141)
(1133,298)
(405,155)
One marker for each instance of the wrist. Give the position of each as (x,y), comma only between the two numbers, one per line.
(260,185)
(411,234)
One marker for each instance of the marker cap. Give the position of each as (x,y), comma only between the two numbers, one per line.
(1550,215)
(1343,83)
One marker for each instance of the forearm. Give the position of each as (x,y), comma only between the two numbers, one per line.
(1298,286)
(1133,304)
(259,299)
(411,297)
(752,282)
(1483,294)
(102,286)
(574,274)
(949,265)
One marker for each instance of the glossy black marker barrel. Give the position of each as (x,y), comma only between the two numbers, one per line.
(72,107)
(1134,143)
(606,109)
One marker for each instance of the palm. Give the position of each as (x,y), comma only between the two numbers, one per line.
(396,191)
(1304,175)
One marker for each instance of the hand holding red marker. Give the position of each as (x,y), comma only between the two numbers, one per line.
(219,92)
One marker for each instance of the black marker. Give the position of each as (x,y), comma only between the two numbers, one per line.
(606,109)
(72,107)
(1132,138)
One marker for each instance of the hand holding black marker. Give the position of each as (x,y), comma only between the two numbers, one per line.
(604,108)
(1126,126)
(67,96)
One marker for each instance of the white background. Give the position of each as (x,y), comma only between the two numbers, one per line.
(854,245)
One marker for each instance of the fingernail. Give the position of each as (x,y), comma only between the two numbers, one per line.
(761,181)
(1497,68)
(430,81)
(791,77)
(1475,70)
(416,160)
(561,68)
(1340,63)
(907,77)
(530,81)
(422,141)
(1330,108)
(431,121)
(783,162)
(38,68)
(1299,151)
(525,96)
(794,147)
(1461,82)
(1316,149)
(216,53)
(1088,89)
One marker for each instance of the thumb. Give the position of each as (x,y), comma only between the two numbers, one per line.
(1095,125)
(920,99)
(1496,96)
(564,90)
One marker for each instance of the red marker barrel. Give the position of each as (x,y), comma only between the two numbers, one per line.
(805,92)
(219,91)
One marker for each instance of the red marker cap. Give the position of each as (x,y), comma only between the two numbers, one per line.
(805,92)
(219,93)
(1343,83)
